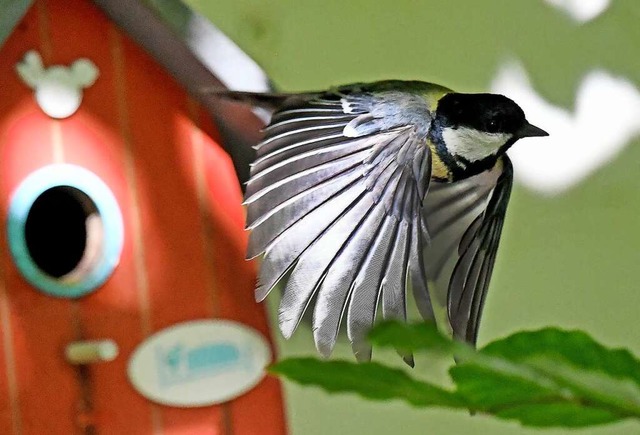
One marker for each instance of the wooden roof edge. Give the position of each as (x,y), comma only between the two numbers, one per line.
(186,48)
(11,12)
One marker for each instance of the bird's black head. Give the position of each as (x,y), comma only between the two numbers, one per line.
(477,126)
(484,112)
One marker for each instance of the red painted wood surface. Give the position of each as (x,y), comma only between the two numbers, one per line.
(184,243)
(45,389)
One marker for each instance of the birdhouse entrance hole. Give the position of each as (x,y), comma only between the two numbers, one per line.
(64,232)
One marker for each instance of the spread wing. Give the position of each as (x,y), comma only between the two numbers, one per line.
(464,220)
(334,207)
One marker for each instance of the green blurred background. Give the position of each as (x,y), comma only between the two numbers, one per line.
(571,260)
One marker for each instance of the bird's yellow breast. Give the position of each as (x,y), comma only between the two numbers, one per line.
(439,170)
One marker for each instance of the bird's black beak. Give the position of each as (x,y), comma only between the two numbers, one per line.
(528,130)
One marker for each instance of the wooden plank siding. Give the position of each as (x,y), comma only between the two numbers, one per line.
(184,243)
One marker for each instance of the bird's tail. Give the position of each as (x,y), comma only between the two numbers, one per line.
(269,101)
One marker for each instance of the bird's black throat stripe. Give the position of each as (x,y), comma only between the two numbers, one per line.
(487,163)
(455,167)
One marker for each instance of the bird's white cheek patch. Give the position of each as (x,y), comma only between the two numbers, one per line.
(472,144)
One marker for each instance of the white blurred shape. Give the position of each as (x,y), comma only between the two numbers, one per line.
(606,118)
(222,56)
(58,89)
(581,10)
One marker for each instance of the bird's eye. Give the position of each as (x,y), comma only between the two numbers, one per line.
(492,126)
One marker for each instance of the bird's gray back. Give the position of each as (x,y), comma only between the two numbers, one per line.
(386,110)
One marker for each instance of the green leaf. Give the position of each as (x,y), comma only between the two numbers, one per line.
(554,414)
(530,374)
(370,380)
(532,398)
(541,378)
(488,388)
(596,387)
(574,347)
(606,377)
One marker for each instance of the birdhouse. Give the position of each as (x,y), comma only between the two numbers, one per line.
(126,305)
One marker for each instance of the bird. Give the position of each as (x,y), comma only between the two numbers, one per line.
(365,194)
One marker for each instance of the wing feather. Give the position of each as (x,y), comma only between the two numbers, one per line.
(273,222)
(465,306)
(305,161)
(287,247)
(265,161)
(299,135)
(418,275)
(313,264)
(393,284)
(338,284)
(264,200)
(333,206)
(450,210)
(367,287)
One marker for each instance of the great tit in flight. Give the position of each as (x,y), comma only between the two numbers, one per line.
(364,193)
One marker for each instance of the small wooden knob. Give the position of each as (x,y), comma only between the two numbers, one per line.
(91,351)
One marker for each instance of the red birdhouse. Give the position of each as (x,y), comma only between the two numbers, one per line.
(126,305)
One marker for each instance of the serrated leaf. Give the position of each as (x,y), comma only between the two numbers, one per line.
(574,347)
(606,377)
(556,414)
(532,370)
(593,386)
(532,398)
(541,378)
(488,388)
(370,380)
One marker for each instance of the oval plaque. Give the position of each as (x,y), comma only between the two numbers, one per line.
(199,363)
